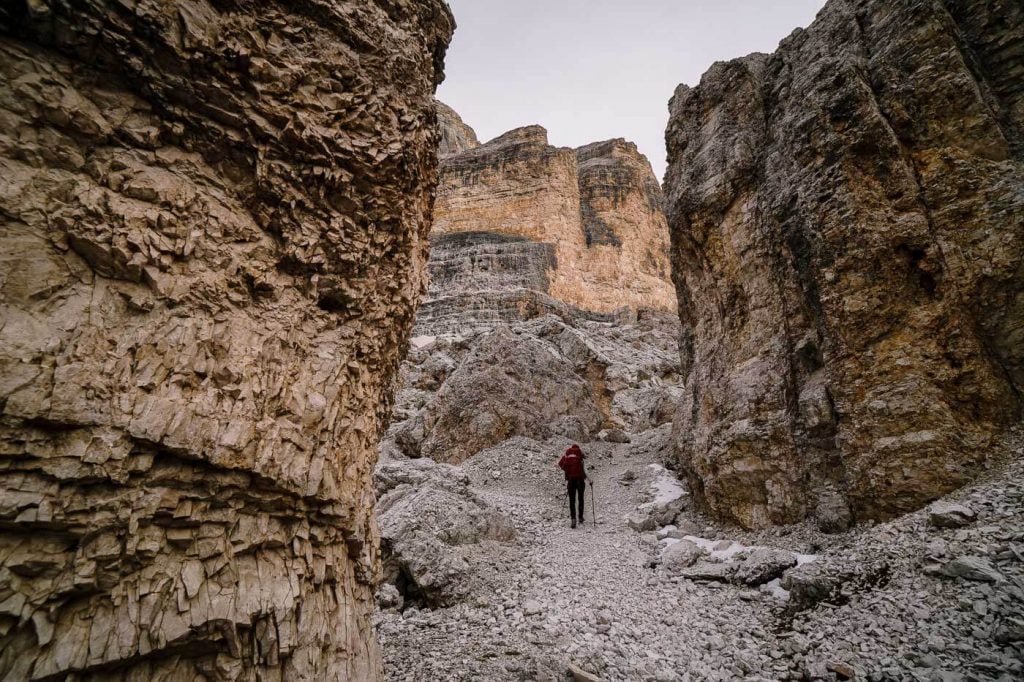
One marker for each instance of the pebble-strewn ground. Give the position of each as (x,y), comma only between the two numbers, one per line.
(590,597)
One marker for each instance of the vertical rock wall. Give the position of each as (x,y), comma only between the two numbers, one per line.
(624,227)
(213,224)
(456,136)
(847,222)
(599,206)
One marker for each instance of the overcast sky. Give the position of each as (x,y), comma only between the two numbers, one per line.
(590,70)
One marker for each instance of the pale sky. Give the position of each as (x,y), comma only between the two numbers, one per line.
(590,70)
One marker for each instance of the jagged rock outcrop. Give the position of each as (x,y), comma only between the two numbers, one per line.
(430,524)
(508,385)
(848,238)
(213,223)
(599,209)
(456,136)
(543,378)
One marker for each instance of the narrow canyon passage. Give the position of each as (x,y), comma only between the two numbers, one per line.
(288,351)
(604,598)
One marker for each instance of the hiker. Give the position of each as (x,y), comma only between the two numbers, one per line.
(575,478)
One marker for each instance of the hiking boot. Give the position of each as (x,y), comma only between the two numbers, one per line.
(573,523)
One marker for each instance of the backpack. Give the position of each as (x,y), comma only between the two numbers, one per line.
(572,463)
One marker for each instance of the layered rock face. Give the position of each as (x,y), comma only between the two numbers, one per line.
(213,229)
(599,207)
(848,230)
(479,279)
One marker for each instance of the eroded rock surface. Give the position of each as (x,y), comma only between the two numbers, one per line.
(508,385)
(545,377)
(846,219)
(213,228)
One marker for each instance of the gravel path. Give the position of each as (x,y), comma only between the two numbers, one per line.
(590,596)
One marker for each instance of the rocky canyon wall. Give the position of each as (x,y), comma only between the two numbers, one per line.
(847,220)
(213,222)
(456,136)
(599,208)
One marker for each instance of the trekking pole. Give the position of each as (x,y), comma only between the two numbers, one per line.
(593,505)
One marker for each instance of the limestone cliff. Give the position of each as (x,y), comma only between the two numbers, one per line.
(847,227)
(599,208)
(213,223)
(456,136)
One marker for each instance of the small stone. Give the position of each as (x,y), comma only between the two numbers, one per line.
(532,608)
(580,675)
(843,671)
(936,549)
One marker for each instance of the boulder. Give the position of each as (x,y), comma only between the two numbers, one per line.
(389,598)
(614,436)
(950,515)
(712,571)
(809,584)
(641,522)
(427,516)
(762,565)
(829,577)
(667,498)
(680,555)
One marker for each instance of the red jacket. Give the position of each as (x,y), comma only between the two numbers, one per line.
(572,464)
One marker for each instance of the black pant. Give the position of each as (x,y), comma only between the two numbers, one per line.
(576,488)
